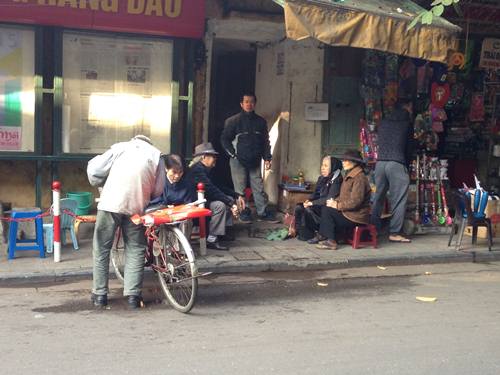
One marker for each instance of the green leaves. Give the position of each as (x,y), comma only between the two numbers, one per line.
(414,22)
(426,17)
(438,10)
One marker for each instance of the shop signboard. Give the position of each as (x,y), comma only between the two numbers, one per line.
(316,111)
(490,54)
(177,18)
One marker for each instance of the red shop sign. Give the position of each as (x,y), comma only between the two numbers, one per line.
(181,18)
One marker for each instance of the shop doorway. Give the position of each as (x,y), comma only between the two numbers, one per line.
(233,73)
(342,91)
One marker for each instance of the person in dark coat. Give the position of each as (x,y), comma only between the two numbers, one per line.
(222,201)
(179,186)
(351,207)
(245,139)
(308,214)
(395,150)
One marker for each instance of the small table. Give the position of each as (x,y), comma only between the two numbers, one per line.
(289,197)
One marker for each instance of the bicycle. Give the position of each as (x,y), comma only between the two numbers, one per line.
(168,252)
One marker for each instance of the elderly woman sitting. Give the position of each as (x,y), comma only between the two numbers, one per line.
(352,207)
(308,213)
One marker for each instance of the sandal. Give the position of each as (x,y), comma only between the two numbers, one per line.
(327,245)
(399,238)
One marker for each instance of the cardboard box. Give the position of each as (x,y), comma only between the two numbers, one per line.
(482,231)
(287,200)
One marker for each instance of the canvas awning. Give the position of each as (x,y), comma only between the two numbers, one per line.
(372,24)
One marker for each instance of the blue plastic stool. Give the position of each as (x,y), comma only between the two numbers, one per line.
(48,236)
(31,243)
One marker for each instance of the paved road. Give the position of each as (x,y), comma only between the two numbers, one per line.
(364,321)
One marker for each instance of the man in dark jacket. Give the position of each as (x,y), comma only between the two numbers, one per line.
(395,149)
(221,201)
(246,140)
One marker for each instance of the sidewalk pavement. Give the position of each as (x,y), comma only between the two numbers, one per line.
(256,254)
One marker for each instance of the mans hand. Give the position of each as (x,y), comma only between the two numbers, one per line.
(331,203)
(234,210)
(267,165)
(241,203)
(307,203)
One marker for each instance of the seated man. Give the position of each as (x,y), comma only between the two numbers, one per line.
(221,201)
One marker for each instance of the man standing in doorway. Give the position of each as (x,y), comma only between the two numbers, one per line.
(132,174)
(395,150)
(246,140)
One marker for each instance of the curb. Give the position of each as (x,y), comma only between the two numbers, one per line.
(255,266)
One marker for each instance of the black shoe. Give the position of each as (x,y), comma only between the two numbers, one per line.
(316,239)
(216,246)
(134,302)
(99,300)
(227,237)
(246,216)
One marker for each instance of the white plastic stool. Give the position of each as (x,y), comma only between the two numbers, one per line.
(48,237)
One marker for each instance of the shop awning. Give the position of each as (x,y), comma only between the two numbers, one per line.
(372,24)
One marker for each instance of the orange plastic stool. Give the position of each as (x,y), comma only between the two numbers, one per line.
(358,233)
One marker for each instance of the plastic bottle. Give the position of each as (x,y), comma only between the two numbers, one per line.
(302,181)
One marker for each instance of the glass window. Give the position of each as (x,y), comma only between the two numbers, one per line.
(114,88)
(17,89)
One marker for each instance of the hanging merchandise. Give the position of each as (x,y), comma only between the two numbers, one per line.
(390,95)
(457,59)
(430,201)
(438,116)
(423,77)
(406,72)
(440,93)
(439,72)
(417,200)
(391,67)
(476,113)
(442,169)
(374,69)
(368,141)
(456,90)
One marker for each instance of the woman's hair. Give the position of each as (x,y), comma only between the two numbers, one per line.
(174,161)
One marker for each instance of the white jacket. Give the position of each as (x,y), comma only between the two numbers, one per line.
(133,173)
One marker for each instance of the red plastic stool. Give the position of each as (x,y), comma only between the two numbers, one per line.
(248,193)
(358,233)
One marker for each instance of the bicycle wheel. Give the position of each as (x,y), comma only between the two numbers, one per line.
(176,268)
(118,255)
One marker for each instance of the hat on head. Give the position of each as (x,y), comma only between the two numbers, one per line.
(353,155)
(205,149)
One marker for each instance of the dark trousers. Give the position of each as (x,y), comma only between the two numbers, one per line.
(307,220)
(333,222)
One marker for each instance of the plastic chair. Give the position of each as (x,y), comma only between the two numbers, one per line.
(464,216)
(358,233)
(67,223)
(27,243)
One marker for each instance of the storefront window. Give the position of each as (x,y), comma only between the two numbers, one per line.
(115,88)
(17,89)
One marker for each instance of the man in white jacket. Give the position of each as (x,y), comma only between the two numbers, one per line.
(132,174)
